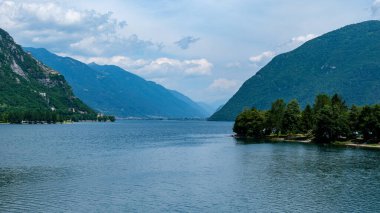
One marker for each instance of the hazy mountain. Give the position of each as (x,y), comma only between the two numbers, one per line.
(345,61)
(211,107)
(112,90)
(27,85)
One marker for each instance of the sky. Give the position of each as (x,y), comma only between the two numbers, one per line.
(205,49)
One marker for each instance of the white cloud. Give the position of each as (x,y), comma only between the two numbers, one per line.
(165,66)
(223,84)
(63,29)
(303,38)
(87,45)
(198,67)
(157,68)
(263,56)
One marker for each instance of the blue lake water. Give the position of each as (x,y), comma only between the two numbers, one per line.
(177,166)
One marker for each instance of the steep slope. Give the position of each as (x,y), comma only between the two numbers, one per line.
(110,89)
(28,85)
(345,61)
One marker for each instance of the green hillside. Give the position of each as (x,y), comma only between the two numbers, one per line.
(28,88)
(345,61)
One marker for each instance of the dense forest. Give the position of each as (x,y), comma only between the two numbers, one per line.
(33,116)
(329,119)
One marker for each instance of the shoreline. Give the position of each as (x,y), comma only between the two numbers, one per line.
(347,144)
(57,123)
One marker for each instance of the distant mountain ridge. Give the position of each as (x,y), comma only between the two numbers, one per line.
(112,90)
(344,61)
(27,85)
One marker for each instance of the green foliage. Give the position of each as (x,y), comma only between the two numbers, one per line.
(33,93)
(330,120)
(307,119)
(353,119)
(105,118)
(321,101)
(325,129)
(345,61)
(369,122)
(250,123)
(331,124)
(292,118)
(276,115)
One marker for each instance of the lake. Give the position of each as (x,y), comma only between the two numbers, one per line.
(177,166)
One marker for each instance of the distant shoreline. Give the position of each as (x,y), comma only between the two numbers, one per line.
(65,122)
(162,119)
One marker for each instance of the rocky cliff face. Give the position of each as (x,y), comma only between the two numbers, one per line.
(27,84)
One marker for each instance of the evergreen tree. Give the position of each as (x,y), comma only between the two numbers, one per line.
(292,118)
(307,119)
(320,101)
(324,131)
(341,115)
(338,102)
(276,115)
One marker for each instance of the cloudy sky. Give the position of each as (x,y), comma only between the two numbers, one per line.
(205,49)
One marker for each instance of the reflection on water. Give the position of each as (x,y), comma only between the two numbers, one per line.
(30,174)
(189,166)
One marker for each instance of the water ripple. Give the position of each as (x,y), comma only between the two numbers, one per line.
(173,166)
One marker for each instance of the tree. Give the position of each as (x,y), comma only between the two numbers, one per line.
(250,123)
(320,101)
(307,119)
(276,115)
(338,102)
(341,115)
(353,119)
(292,118)
(15,117)
(331,124)
(369,122)
(376,113)
(324,131)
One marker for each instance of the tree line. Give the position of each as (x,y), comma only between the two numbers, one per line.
(328,119)
(33,116)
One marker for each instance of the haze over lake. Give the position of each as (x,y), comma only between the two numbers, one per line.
(187,166)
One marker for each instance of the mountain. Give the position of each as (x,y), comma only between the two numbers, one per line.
(211,107)
(344,61)
(112,90)
(27,85)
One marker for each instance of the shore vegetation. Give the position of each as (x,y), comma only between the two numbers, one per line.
(327,120)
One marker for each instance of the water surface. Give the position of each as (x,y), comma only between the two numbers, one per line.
(184,166)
